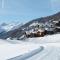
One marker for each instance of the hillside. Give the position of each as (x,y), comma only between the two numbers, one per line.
(17,33)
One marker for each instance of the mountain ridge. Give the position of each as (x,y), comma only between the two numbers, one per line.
(16,33)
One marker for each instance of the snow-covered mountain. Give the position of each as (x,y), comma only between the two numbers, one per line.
(16,30)
(7,27)
(2,30)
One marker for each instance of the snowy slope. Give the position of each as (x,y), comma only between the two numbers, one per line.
(51,52)
(8,27)
(51,49)
(33,24)
(30,49)
(28,55)
(8,51)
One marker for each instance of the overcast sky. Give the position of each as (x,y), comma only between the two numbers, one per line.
(26,10)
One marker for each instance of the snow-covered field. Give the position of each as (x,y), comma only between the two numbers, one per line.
(42,48)
(50,52)
(8,51)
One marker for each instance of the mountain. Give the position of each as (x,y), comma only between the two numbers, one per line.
(7,27)
(18,32)
(1,30)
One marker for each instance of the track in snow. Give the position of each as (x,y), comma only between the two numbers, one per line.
(28,55)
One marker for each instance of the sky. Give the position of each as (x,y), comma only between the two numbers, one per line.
(25,10)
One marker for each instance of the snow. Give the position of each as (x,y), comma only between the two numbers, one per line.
(49,53)
(33,24)
(42,48)
(28,55)
(46,39)
(8,51)
(8,27)
(51,50)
